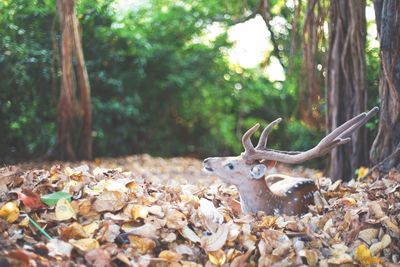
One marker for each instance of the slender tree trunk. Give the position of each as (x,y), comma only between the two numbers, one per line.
(71,112)
(84,88)
(386,146)
(346,92)
(313,63)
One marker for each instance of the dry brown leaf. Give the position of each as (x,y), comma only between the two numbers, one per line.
(58,247)
(143,244)
(376,248)
(241,260)
(146,230)
(169,256)
(109,201)
(217,257)
(85,244)
(188,233)
(368,235)
(139,211)
(73,231)
(176,219)
(98,258)
(217,240)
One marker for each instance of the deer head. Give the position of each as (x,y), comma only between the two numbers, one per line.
(248,169)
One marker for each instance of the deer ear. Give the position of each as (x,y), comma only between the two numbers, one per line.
(258,171)
(269,163)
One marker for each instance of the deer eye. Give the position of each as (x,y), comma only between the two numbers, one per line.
(230,166)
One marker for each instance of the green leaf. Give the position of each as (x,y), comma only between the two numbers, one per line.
(52,199)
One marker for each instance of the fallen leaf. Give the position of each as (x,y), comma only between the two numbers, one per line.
(142,243)
(368,235)
(30,199)
(64,210)
(169,256)
(85,244)
(363,256)
(9,212)
(215,241)
(176,219)
(53,198)
(188,233)
(98,258)
(379,246)
(217,257)
(241,259)
(73,231)
(146,230)
(58,247)
(139,211)
(109,201)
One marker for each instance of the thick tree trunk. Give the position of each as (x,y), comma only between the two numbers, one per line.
(346,92)
(386,146)
(71,112)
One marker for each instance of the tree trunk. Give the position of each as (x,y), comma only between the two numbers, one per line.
(313,64)
(386,146)
(84,88)
(67,101)
(346,92)
(71,112)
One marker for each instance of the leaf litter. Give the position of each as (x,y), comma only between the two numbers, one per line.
(144,211)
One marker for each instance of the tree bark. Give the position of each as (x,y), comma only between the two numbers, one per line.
(71,112)
(313,64)
(387,143)
(346,92)
(84,88)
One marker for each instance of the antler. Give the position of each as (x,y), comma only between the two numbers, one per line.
(337,137)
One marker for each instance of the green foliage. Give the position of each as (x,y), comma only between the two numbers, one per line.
(157,86)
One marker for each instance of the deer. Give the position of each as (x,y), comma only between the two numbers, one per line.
(287,195)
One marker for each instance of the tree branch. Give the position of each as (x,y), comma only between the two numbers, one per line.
(265,14)
(252,15)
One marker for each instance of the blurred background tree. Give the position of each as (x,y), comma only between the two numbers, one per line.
(163,76)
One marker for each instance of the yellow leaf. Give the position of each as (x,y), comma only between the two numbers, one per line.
(217,257)
(169,256)
(361,172)
(139,211)
(10,212)
(85,244)
(363,256)
(91,228)
(143,244)
(64,210)
(268,222)
(24,222)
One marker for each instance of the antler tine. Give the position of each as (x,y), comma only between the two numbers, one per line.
(356,126)
(262,142)
(247,144)
(344,127)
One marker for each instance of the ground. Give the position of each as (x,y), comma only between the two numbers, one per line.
(145,211)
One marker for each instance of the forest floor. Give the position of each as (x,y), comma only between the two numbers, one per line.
(146,211)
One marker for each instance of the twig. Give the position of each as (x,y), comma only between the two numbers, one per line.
(41,230)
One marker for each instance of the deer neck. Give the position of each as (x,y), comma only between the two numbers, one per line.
(255,195)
